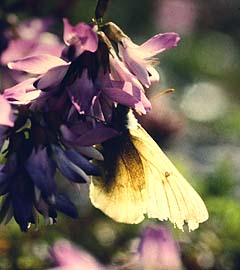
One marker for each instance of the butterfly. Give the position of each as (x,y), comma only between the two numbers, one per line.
(139,180)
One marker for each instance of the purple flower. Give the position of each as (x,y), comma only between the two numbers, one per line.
(27,179)
(158,250)
(86,74)
(79,38)
(6,113)
(139,59)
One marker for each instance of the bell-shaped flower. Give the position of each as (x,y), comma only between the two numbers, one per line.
(139,59)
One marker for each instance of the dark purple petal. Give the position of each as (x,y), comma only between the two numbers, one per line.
(96,135)
(64,205)
(81,93)
(5,207)
(52,77)
(4,183)
(22,210)
(3,135)
(41,170)
(68,168)
(82,162)
(22,196)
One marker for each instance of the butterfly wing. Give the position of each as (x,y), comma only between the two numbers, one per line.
(120,193)
(168,194)
(146,182)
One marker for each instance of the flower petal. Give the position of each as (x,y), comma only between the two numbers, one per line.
(82,92)
(37,64)
(67,256)
(6,114)
(70,170)
(22,93)
(157,248)
(129,96)
(87,37)
(159,43)
(41,170)
(17,48)
(82,35)
(52,77)
(135,62)
(82,162)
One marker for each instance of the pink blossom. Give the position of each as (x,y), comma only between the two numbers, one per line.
(67,256)
(158,250)
(31,39)
(139,59)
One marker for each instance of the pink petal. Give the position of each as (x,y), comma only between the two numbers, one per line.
(81,35)
(6,114)
(125,98)
(70,257)
(37,64)
(135,62)
(159,43)
(16,49)
(157,248)
(87,36)
(52,77)
(120,72)
(128,95)
(22,93)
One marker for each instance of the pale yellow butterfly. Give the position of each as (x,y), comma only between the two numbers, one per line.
(140,180)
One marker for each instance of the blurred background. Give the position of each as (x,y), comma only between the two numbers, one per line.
(198,125)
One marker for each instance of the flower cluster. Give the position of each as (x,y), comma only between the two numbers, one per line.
(63,109)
